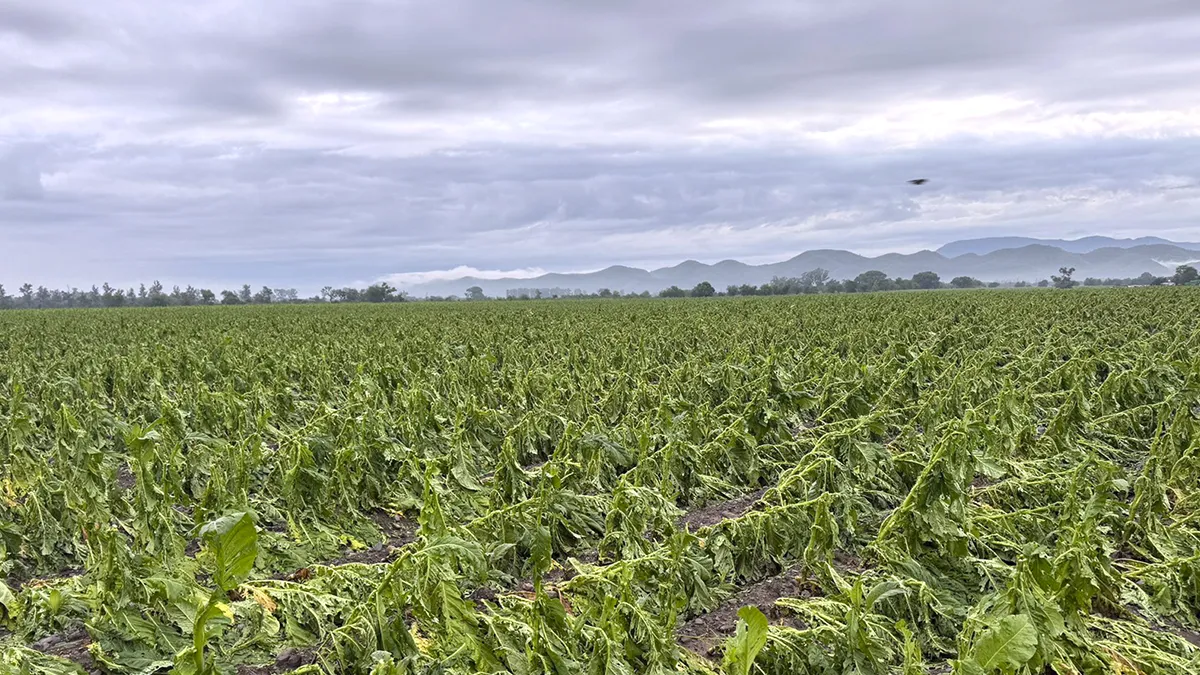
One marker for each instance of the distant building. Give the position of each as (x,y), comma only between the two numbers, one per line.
(534,293)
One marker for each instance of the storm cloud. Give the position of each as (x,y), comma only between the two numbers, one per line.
(320,142)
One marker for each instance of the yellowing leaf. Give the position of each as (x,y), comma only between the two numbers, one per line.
(265,601)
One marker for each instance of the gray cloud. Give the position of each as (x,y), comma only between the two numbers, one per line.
(323,142)
(20,174)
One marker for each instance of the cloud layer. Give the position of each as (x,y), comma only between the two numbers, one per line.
(322,142)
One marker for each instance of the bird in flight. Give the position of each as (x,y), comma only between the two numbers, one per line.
(919,181)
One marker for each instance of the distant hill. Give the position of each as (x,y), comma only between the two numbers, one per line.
(1023,263)
(1084,245)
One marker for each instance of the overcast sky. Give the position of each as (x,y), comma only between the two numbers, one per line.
(310,142)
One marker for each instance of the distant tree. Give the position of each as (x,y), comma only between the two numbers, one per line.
(605,293)
(246,296)
(1184,275)
(1063,278)
(190,296)
(993,284)
(814,279)
(1159,281)
(1093,281)
(703,290)
(111,297)
(872,280)
(27,294)
(230,298)
(207,297)
(926,280)
(476,293)
(264,296)
(748,289)
(380,292)
(965,282)
(672,292)
(835,286)
(1043,283)
(286,295)
(5,301)
(776,286)
(155,296)
(1021,284)
(731,289)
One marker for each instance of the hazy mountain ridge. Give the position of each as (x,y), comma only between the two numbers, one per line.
(1025,263)
(1083,245)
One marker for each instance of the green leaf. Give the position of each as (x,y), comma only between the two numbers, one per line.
(750,638)
(8,602)
(883,590)
(233,541)
(1007,646)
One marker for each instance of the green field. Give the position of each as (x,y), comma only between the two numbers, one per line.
(989,481)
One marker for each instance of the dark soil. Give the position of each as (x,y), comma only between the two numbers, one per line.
(71,645)
(715,513)
(563,571)
(482,595)
(16,583)
(289,659)
(849,563)
(704,634)
(1166,627)
(1185,633)
(981,481)
(125,477)
(397,531)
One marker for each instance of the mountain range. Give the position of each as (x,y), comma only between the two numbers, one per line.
(1084,245)
(1004,259)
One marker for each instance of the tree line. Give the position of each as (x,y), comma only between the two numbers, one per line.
(811,282)
(155,295)
(873,281)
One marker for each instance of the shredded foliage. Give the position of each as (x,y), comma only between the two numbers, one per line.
(988,483)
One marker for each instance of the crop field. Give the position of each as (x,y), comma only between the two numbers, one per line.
(977,482)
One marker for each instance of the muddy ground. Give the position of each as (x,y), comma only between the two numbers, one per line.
(714,513)
(705,634)
(71,645)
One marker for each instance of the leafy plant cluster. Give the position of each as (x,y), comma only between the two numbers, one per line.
(983,483)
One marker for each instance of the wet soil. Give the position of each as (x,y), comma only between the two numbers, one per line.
(705,633)
(715,513)
(398,530)
(125,478)
(289,659)
(71,645)
(16,583)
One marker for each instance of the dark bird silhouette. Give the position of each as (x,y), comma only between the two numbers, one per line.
(919,181)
